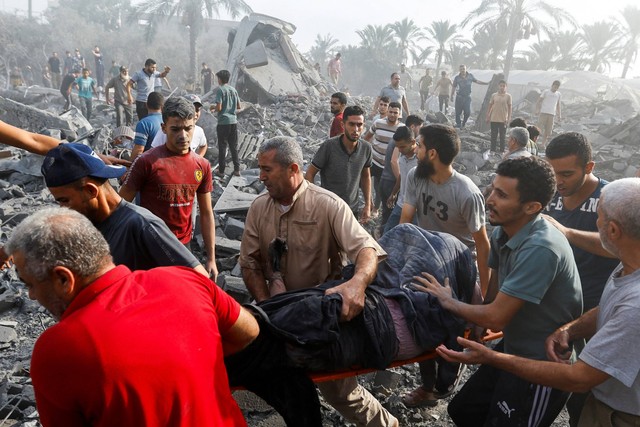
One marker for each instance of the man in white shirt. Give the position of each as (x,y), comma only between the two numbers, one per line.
(548,107)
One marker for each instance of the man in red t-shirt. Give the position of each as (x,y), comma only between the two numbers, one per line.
(337,104)
(171,176)
(130,349)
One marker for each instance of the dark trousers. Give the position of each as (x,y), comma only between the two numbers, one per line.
(423,97)
(498,128)
(227,136)
(123,111)
(462,106)
(376,175)
(438,375)
(496,398)
(264,369)
(386,188)
(86,105)
(443,101)
(141,110)
(67,99)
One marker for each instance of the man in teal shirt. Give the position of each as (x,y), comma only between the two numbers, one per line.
(86,89)
(226,103)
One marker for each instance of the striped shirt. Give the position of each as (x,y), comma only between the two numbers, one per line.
(382,134)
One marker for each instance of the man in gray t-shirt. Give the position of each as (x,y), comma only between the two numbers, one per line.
(609,365)
(395,93)
(344,163)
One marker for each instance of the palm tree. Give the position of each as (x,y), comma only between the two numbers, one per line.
(377,39)
(521,17)
(600,44)
(459,53)
(443,34)
(490,42)
(631,31)
(192,13)
(406,31)
(321,48)
(419,54)
(569,47)
(540,56)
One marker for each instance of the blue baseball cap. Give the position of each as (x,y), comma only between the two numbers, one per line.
(69,162)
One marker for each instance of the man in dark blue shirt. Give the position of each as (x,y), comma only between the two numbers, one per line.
(462,83)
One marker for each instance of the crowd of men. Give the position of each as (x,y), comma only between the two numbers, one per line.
(557,275)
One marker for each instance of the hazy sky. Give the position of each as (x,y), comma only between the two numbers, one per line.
(341,18)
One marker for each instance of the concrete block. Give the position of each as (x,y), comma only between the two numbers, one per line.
(234,228)
(7,334)
(235,287)
(237,270)
(227,247)
(255,55)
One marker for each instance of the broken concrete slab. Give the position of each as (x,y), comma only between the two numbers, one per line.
(235,287)
(234,199)
(227,247)
(233,228)
(255,55)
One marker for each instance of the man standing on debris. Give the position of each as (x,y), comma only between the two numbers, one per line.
(574,206)
(122,352)
(442,89)
(147,128)
(337,105)
(344,162)
(498,115)
(79,180)
(144,80)
(608,367)
(171,176)
(124,108)
(65,88)
(379,135)
(86,89)
(334,69)
(199,139)
(226,104)
(548,107)
(206,74)
(462,82)
(446,201)
(526,301)
(319,230)
(425,86)
(517,145)
(405,76)
(395,93)
(68,63)
(54,67)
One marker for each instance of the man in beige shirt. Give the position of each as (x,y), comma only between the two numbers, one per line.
(499,114)
(320,231)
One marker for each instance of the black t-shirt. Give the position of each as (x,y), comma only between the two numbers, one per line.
(207,75)
(54,64)
(67,81)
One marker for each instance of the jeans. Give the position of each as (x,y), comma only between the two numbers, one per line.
(498,128)
(443,100)
(86,107)
(227,135)
(463,105)
(376,175)
(386,188)
(123,110)
(394,218)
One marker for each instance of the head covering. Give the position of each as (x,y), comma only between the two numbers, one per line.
(195,99)
(124,131)
(69,162)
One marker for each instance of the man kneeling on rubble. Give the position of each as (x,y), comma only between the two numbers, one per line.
(130,349)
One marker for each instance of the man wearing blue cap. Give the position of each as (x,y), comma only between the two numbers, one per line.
(79,179)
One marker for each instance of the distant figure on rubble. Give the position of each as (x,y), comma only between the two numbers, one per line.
(405,76)
(121,101)
(226,104)
(145,81)
(337,104)
(114,71)
(86,89)
(98,59)
(547,108)
(395,93)
(344,163)
(334,69)
(171,176)
(526,301)
(130,349)
(27,74)
(424,86)
(498,115)
(67,84)
(443,87)
(54,67)
(321,231)
(462,86)
(78,60)
(206,74)
(68,63)
(46,76)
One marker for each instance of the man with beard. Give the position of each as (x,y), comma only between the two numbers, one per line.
(444,200)
(337,104)
(606,366)
(395,93)
(575,206)
(534,289)
(344,163)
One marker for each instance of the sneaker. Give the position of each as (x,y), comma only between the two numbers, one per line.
(419,397)
(220,174)
(236,173)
